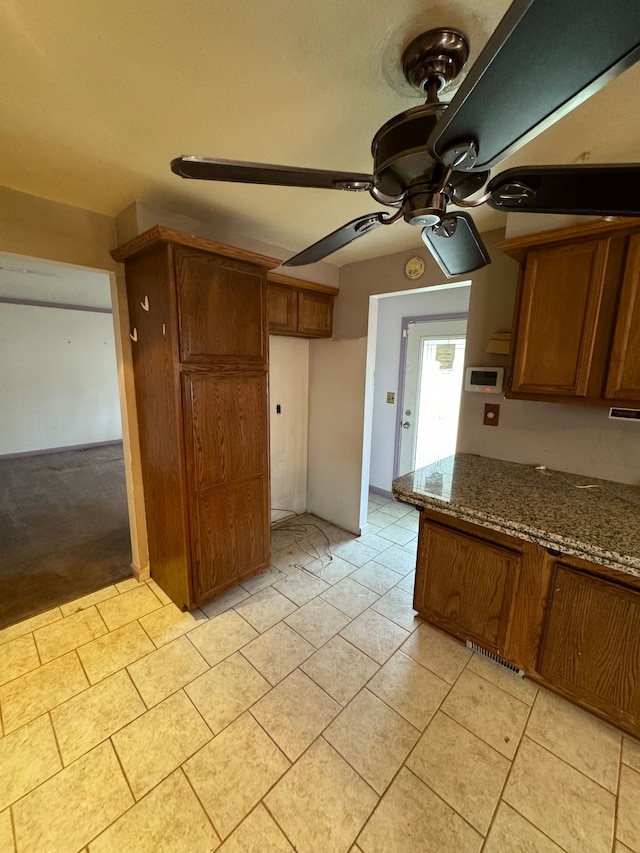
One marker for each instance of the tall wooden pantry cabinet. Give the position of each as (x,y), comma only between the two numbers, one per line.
(198,316)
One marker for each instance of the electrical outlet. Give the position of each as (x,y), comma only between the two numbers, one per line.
(491,414)
(391,396)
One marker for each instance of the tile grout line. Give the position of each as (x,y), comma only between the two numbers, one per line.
(12,821)
(275,820)
(135,687)
(344,758)
(508,776)
(33,637)
(568,764)
(84,672)
(271,787)
(181,770)
(133,804)
(55,737)
(293,763)
(615,814)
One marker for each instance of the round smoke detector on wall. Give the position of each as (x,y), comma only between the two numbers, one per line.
(414,267)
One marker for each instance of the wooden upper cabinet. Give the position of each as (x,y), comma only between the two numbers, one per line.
(560,305)
(282,309)
(623,377)
(221,311)
(315,314)
(576,329)
(299,308)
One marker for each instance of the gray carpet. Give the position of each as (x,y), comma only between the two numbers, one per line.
(64,528)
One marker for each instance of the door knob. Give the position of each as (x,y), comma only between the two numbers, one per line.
(406,425)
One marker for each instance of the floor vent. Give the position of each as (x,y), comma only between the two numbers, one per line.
(495,658)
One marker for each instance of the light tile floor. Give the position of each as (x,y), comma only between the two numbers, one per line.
(309,709)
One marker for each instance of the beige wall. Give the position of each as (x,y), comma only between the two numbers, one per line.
(336,417)
(566,437)
(386,275)
(288,388)
(39,228)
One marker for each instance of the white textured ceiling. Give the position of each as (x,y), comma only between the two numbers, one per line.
(96,98)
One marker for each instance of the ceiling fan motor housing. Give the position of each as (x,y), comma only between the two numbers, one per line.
(400,153)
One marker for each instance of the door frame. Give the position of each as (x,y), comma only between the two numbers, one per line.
(406,321)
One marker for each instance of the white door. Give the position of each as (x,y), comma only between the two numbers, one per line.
(434,368)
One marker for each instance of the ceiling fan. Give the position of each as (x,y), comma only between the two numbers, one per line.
(544,59)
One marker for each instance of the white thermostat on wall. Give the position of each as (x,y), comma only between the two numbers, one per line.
(486,380)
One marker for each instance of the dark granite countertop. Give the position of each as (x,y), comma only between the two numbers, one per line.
(594,519)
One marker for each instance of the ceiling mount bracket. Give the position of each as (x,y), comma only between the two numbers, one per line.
(435,58)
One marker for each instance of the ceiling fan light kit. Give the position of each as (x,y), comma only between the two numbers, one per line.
(542,61)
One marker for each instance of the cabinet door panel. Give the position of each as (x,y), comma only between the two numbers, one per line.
(282,309)
(315,314)
(227,431)
(592,642)
(221,306)
(466,585)
(232,540)
(559,308)
(623,380)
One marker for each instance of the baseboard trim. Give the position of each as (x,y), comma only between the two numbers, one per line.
(46,450)
(382,492)
(141,573)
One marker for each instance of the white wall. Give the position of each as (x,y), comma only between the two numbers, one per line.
(336,411)
(58,384)
(289,388)
(450,299)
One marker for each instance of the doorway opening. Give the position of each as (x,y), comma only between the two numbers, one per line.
(431,370)
(384,378)
(64,515)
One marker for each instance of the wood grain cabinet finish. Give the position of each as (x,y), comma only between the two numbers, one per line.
(570,624)
(466,584)
(623,376)
(282,307)
(198,315)
(300,308)
(576,329)
(591,648)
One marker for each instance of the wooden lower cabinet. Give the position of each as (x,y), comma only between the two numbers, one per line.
(591,646)
(467,584)
(570,624)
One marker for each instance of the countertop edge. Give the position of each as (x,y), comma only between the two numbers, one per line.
(564,544)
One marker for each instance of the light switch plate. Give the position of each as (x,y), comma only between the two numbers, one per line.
(491,414)
(391,396)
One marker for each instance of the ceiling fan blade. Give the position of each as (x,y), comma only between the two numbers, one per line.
(544,59)
(590,190)
(336,240)
(212,169)
(456,245)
